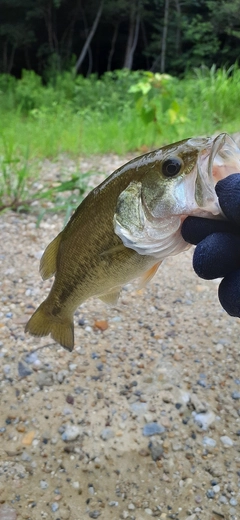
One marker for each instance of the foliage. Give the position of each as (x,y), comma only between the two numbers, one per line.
(123,111)
(48,36)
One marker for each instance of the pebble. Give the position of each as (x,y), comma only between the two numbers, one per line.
(210,493)
(44,379)
(43,484)
(216,488)
(54,507)
(223,499)
(71,433)
(23,370)
(204,419)
(208,441)
(227,442)
(28,438)
(236,395)
(131,507)
(156,450)
(106,433)
(94,514)
(152,428)
(233,501)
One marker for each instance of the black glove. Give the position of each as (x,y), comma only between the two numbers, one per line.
(217,254)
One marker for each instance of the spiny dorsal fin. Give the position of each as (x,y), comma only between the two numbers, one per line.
(148,275)
(48,263)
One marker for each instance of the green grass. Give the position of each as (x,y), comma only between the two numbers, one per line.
(122,112)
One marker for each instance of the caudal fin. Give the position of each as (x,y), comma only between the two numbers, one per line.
(42,323)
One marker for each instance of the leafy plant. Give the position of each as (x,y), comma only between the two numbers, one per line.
(156,100)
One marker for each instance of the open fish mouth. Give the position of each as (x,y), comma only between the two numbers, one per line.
(218,157)
(224,158)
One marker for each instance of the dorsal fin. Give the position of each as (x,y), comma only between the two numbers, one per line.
(48,263)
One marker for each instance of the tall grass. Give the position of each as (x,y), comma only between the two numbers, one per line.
(120,112)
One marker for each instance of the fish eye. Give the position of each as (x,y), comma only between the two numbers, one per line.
(171,167)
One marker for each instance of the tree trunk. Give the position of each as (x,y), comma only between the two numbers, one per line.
(89,38)
(132,36)
(111,53)
(178,31)
(164,36)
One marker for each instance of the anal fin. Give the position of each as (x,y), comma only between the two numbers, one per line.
(48,262)
(148,275)
(111,298)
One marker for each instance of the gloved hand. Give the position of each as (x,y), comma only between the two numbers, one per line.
(217,254)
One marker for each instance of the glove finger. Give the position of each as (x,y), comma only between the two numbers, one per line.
(228,192)
(195,229)
(229,293)
(217,255)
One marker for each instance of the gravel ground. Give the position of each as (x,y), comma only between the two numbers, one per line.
(143,418)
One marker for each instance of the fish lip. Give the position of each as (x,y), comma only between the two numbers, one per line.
(219,158)
(218,143)
(224,158)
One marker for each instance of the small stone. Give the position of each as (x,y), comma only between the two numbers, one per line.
(233,501)
(113,503)
(94,514)
(106,433)
(210,493)
(204,419)
(131,507)
(101,325)
(43,484)
(227,442)
(70,399)
(23,370)
(216,488)
(71,433)
(223,499)
(156,450)
(28,438)
(44,379)
(62,374)
(236,395)
(54,507)
(125,515)
(26,457)
(148,511)
(208,441)
(76,485)
(152,429)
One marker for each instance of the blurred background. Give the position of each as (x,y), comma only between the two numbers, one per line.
(87,77)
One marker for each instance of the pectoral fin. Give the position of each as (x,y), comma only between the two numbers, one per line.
(113,250)
(48,263)
(148,275)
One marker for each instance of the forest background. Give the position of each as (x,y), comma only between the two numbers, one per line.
(100,76)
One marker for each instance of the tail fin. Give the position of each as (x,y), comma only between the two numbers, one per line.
(42,323)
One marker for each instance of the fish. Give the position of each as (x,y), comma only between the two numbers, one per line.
(128,225)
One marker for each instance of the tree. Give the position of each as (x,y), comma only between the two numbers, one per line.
(89,37)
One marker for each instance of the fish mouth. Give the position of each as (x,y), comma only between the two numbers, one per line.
(220,158)
(224,158)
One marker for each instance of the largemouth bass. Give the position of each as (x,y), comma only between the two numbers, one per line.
(127,225)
